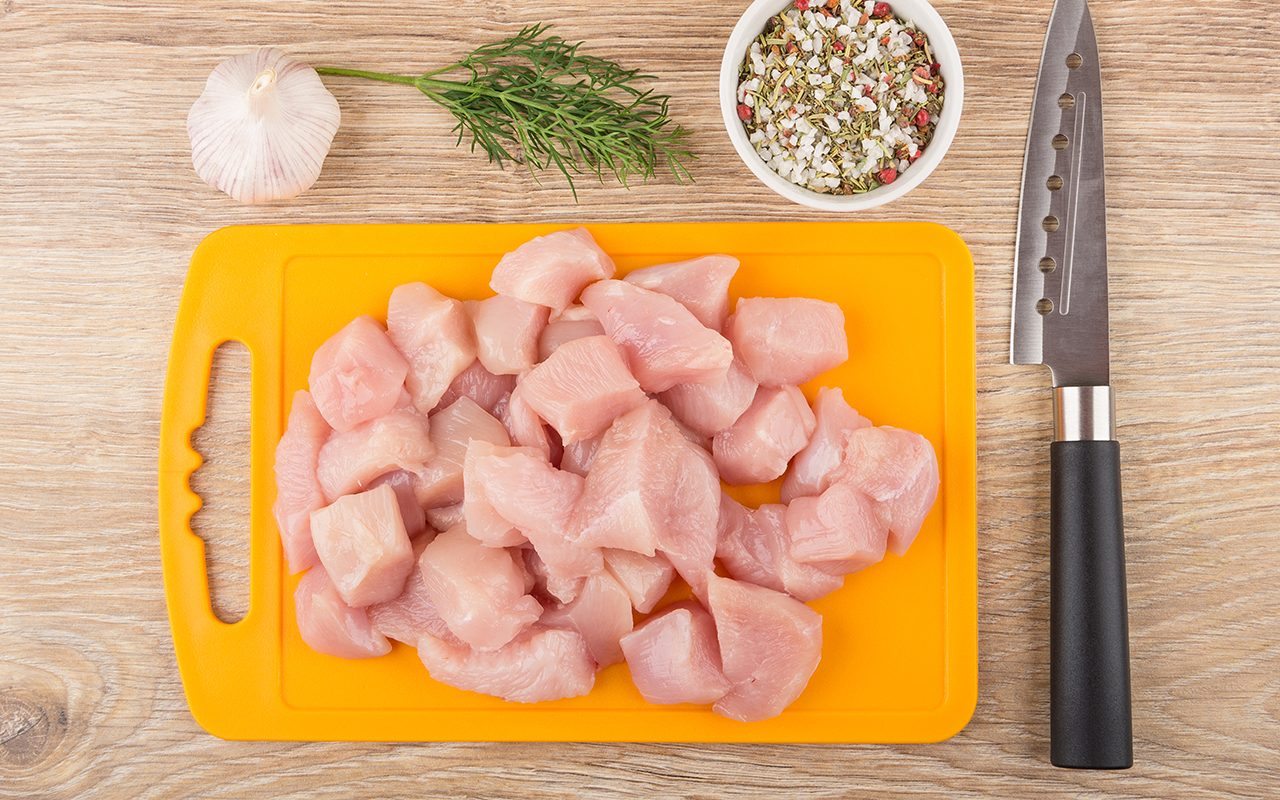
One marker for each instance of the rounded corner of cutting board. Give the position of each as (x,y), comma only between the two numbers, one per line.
(234,700)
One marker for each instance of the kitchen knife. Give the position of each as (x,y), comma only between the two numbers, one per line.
(1060,320)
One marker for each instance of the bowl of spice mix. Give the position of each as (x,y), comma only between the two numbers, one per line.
(841,105)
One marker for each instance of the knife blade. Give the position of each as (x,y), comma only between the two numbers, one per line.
(1060,319)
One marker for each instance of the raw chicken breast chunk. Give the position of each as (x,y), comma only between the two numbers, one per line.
(481,385)
(560,331)
(899,470)
(601,612)
(452,428)
(551,270)
(330,626)
(298,490)
(813,467)
(649,490)
(411,615)
(757,447)
(699,284)
(841,525)
(478,591)
(349,461)
(582,388)
(663,342)
(770,645)
(403,483)
(540,664)
(754,546)
(674,657)
(507,333)
(445,517)
(525,492)
(714,405)
(646,578)
(357,375)
(363,545)
(434,334)
(786,341)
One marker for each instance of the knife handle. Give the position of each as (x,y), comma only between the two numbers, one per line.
(1089,705)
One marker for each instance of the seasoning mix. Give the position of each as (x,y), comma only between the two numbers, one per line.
(840,97)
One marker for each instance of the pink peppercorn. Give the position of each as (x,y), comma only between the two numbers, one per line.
(888,174)
(744,112)
(922,118)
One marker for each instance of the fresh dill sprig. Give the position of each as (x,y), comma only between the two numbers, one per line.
(534,98)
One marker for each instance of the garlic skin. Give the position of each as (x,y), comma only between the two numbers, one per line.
(262,127)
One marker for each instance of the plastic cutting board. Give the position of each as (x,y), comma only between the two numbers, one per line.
(899,659)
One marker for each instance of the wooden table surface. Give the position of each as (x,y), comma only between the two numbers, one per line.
(100,210)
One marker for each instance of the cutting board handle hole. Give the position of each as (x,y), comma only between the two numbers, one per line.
(222,482)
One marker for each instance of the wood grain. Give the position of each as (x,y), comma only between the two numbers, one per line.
(100,210)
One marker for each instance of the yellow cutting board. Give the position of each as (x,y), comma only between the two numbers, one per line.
(899,661)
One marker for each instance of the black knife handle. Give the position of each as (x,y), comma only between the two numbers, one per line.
(1089,704)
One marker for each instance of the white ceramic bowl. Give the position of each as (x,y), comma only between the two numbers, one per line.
(944,50)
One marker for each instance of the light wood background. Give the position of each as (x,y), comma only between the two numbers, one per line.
(100,210)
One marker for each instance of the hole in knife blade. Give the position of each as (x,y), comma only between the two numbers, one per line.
(1060,142)
(1067,100)
(1074,61)
(1044,305)
(1047,264)
(1050,223)
(1054,183)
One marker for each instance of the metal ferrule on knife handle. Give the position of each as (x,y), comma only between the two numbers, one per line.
(1083,414)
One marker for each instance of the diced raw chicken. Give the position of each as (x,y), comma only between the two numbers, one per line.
(899,470)
(560,331)
(435,335)
(550,588)
(540,664)
(440,480)
(481,385)
(523,423)
(770,645)
(601,612)
(507,332)
(551,270)
(649,490)
(478,591)
(363,545)
(646,578)
(483,520)
(357,375)
(575,313)
(754,547)
(298,491)
(578,456)
(712,406)
(840,525)
(689,541)
(445,517)
(757,447)
(663,342)
(350,461)
(411,514)
(624,502)
(786,341)
(674,657)
(330,626)
(700,284)
(581,389)
(526,492)
(411,615)
(812,468)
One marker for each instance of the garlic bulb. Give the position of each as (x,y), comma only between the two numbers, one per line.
(262,127)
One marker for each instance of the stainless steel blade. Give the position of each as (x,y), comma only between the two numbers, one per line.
(1060,272)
